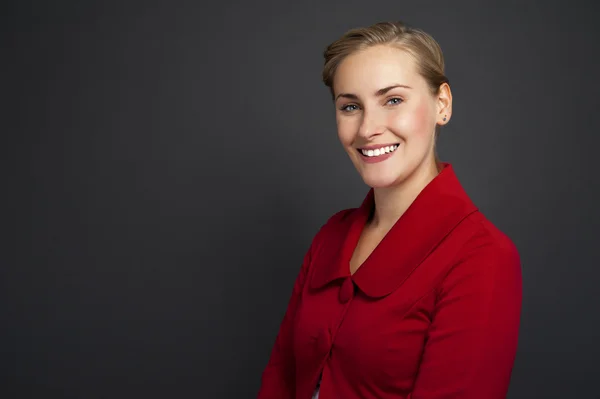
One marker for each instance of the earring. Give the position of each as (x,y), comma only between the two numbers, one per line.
(444,118)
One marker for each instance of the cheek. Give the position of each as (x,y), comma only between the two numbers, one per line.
(424,117)
(416,121)
(346,131)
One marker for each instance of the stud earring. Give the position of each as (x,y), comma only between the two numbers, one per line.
(444,118)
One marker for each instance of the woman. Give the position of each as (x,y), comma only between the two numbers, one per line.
(414,294)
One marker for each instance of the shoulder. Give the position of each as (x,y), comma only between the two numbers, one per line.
(340,217)
(487,239)
(335,225)
(488,255)
(338,220)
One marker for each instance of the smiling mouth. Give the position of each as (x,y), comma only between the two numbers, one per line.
(379,151)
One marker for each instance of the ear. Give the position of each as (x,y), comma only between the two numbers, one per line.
(444,104)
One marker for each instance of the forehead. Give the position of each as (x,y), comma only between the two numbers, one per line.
(375,67)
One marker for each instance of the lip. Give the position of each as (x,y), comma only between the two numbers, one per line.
(376,159)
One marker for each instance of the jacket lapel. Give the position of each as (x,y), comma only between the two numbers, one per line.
(436,211)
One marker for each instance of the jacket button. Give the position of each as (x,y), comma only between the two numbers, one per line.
(347,290)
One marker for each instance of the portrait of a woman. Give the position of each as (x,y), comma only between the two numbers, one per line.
(413,294)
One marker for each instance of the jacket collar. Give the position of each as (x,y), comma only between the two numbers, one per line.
(436,211)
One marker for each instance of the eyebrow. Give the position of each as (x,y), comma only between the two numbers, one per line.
(378,93)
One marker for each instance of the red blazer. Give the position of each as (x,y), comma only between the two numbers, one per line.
(433,313)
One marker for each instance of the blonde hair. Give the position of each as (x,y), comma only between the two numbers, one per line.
(425,50)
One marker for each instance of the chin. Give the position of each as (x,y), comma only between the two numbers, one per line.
(381,181)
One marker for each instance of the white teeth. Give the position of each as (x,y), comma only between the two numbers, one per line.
(379,151)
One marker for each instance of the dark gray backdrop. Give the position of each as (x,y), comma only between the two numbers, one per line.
(167,165)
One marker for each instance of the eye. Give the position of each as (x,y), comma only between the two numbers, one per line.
(394,101)
(349,107)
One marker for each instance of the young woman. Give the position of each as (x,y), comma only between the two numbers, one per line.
(414,294)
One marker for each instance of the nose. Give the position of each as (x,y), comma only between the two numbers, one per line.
(370,125)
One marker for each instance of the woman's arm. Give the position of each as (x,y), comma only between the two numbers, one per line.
(472,342)
(278,378)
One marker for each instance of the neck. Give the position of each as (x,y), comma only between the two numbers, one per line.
(392,202)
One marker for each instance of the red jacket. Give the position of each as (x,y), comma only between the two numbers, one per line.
(433,313)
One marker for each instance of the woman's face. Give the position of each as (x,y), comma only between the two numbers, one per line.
(386,115)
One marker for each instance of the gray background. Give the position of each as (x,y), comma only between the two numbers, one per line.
(167,165)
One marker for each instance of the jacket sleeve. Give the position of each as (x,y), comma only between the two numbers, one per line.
(278,378)
(472,341)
